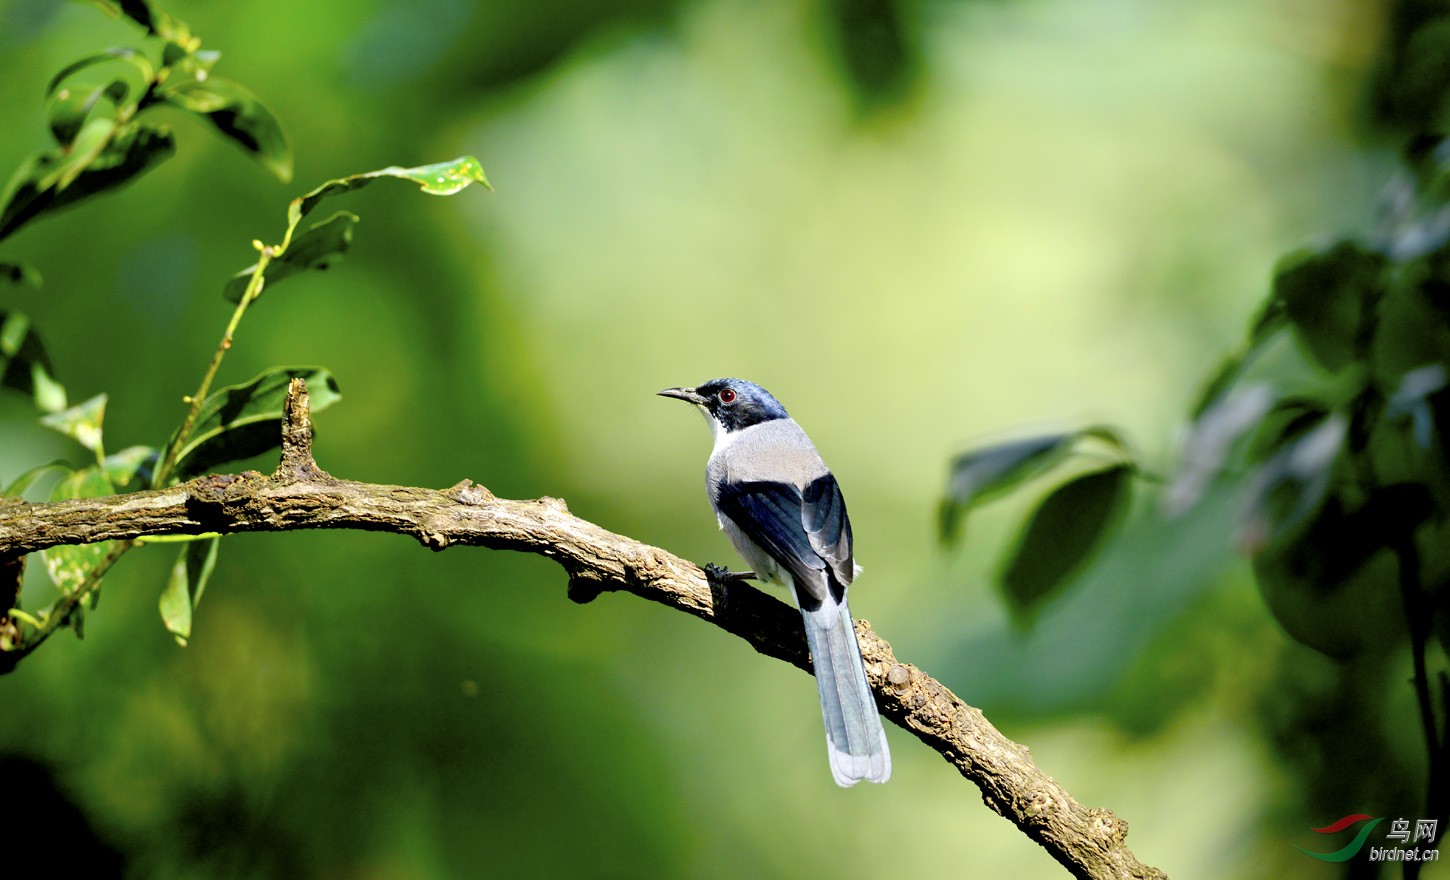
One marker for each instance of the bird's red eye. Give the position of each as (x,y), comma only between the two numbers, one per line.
(727,395)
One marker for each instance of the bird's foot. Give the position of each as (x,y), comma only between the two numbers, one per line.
(719,574)
(720,578)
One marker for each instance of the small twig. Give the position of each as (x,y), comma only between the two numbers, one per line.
(64,609)
(1090,843)
(195,401)
(296,462)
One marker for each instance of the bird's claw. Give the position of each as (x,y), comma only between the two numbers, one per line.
(720,577)
(719,574)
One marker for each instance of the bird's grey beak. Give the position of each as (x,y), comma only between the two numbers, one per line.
(686,394)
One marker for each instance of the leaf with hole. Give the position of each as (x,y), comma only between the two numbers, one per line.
(319,247)
(189,574)
(241,421)
(1064,531)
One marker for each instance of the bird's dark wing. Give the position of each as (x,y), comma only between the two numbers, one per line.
(807,533)
(823,514)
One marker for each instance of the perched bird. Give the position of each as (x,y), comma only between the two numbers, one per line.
(781,508)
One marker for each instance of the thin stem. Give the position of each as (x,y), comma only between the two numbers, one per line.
(254,288)
(61,613)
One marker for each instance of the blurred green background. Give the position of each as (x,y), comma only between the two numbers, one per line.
(920,227)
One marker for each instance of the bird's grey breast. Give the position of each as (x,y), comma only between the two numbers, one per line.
(774,451)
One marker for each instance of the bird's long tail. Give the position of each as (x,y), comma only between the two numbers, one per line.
(854,736)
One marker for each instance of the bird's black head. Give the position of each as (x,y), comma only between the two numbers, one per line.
(733,403)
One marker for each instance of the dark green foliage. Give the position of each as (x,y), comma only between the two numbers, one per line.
(1061,535)
(1068,525)
(100,144)
(1409,93)
(876,44)
(95,164)
(1331,423)
(95,111)
(1329,297)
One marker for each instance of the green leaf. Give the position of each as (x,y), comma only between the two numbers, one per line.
(21,484)
(241,116)
(24,365)
(442,179)
(68,565)
(241,421)
(72,103)
(320,247)
(983,474)
(133,464)
(1329,296)
(1066,528)
(184,587)
(128,55)
(1333,583)
(103,157)
(81,422)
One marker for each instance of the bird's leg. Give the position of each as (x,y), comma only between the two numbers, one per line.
(720,577)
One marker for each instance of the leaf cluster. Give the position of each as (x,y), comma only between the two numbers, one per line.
(102,143)
(1067,526)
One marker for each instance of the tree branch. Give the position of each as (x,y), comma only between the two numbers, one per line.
(1090,843)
